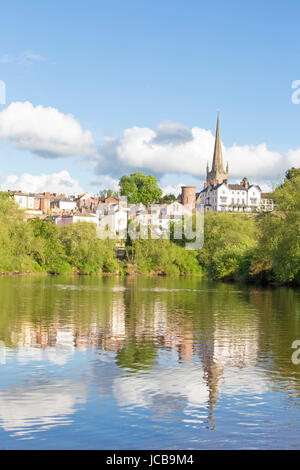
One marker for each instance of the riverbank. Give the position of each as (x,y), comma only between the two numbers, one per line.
(203,276)
(264,249)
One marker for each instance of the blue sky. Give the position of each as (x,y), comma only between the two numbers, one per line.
(135,65)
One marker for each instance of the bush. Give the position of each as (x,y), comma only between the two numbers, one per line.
(229,241)
(162,257)
(41,246)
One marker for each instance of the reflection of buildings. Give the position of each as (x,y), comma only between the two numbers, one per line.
(199,349)
(112,333)
(225,346)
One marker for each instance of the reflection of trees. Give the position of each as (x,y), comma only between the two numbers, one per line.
(278,314)
(136,355)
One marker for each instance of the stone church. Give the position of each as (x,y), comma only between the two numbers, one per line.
(219,195)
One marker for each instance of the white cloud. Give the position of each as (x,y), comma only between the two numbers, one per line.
(106,182)
(26,57)
(170,149)
(171,189)
(173,148)
(56,182)
(141,147)
(44,131)
(293,157)
(6,59)
(30,56)
(256,161)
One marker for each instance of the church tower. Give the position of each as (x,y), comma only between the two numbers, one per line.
(217,174)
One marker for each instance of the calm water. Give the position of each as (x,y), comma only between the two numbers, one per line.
(147,364)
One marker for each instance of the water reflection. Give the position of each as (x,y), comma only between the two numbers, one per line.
(184,350)
(42,404)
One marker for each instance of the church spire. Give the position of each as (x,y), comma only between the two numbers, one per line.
(217,165)
(217,174)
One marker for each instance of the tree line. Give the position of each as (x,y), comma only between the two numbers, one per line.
(261,248)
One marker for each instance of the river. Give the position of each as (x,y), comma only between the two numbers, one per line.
(147,363)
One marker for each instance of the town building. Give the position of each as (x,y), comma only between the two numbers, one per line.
(33,203)
(113,224)
(61,204)
(66,219)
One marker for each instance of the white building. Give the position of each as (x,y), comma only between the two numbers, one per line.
(218,195)
(231,197)
(113,224)
(63,204)
(176,210)
(32,203)
(89,217)
(24,200)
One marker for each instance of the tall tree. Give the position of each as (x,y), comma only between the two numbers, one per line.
(279,242)
(140,188)
(168,198)
(292,173)
(287,195)
(105,193)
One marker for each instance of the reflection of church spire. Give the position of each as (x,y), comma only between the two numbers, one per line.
(212,371)
(212,374)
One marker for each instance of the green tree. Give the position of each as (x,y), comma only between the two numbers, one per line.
(47,249)
(277,257)
(105,193)
(229,240)
(168,198)
(287,195)
(85,252)
(292,172)
(162,257)
(140,188)
(16,238)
